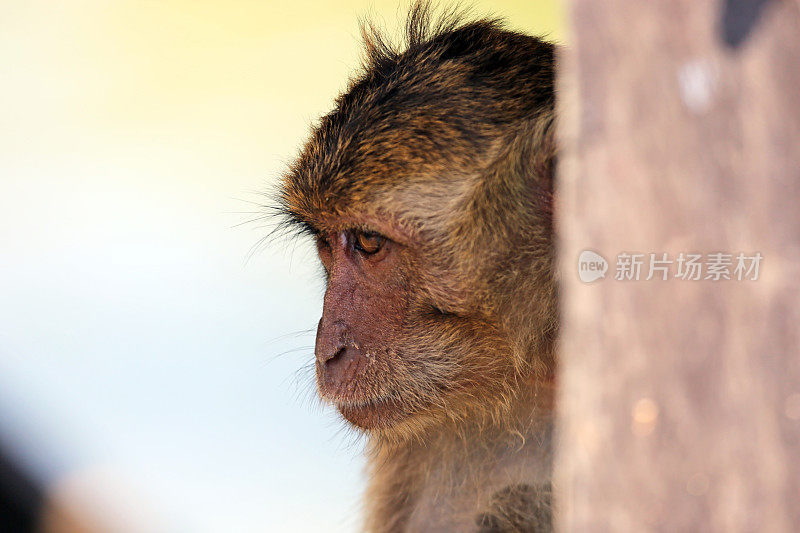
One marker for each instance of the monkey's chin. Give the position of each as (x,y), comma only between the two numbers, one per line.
(382,413)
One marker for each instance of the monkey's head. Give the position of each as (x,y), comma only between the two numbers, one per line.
(428,189)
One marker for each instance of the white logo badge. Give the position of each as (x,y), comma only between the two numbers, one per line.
(591,266)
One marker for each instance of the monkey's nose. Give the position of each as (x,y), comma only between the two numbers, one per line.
(339,360)
(330,355)
(342,368)
(330,340)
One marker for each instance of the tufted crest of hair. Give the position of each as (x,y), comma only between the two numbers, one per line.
(446,140)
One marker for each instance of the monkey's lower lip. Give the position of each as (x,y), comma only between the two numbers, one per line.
(378,413)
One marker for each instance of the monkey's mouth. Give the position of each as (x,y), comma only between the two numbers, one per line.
(342,380)
(378,413)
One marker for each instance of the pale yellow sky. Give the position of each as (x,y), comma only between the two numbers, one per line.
(124,68)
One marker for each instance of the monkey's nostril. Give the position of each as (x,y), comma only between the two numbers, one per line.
(336,355)
(342,367)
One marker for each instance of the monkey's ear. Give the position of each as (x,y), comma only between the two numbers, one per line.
(541,151)
(546,170)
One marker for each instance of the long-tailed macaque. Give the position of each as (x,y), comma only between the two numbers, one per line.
(429,192)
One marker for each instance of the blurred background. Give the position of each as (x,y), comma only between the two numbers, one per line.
(154,359)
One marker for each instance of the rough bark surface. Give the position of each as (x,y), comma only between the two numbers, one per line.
(680,400)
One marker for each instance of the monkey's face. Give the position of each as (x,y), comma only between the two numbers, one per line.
(428,187)
(357,347)
(386,352)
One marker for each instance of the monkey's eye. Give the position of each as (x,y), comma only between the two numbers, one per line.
(368,243)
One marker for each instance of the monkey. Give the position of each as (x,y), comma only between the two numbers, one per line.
(428,190)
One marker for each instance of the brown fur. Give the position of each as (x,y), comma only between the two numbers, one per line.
(445,146)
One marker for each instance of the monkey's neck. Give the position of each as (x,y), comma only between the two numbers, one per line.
(463,479)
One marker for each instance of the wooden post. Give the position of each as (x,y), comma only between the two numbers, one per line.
(680,399)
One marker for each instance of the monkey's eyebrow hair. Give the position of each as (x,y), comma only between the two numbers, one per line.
(299,224)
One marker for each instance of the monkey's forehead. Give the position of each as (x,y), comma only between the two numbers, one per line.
(401,210)
(410,171)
